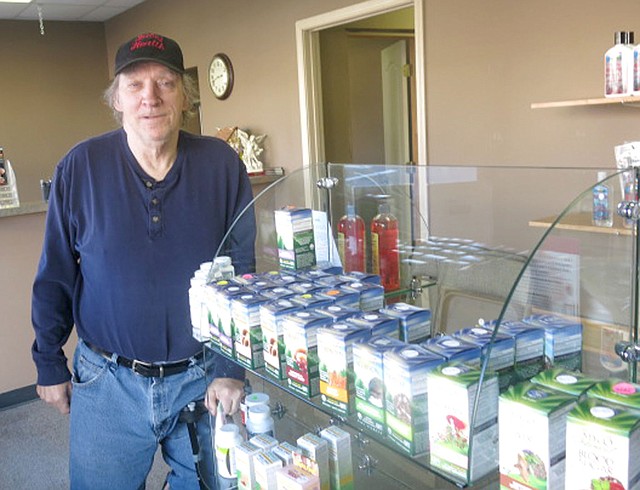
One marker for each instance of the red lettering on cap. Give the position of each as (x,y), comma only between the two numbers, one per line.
(147,40)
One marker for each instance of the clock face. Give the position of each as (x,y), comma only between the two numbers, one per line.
(221,76)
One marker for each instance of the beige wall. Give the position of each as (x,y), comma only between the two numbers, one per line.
(487,61)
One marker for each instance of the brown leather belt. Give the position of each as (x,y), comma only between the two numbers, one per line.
(147,369)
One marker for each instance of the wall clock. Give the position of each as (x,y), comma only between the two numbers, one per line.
(221,76)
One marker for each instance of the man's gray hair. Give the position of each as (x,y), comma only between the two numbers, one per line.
(189,89)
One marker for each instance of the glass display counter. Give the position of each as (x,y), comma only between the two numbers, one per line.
(456,256)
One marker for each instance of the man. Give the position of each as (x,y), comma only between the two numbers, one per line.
(132,214)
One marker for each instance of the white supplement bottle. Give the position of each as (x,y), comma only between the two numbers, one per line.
(251,400)
(259,421)
(618,67)
(226,439)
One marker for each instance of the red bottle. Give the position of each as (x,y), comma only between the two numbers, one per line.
(351,241)
(384,248)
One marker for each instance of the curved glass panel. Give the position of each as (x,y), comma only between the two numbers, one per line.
(470,248)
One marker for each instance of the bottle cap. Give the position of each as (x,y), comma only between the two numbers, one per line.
(384,208)
(222,260)
(227,434)
(351,210)
(254,399)
(259,413)
(621,37)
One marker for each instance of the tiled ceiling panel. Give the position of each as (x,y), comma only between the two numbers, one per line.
(76,10)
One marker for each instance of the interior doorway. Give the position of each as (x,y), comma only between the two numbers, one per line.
(326,81)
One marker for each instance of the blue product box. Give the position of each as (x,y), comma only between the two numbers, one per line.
(415,322)
(277,292)
(337,312)
(529,358)
(272,315)
(245,310)
(349,299)
(406,399)
(562,340)
(378,323)
(368,371)
(311,300)
(301,350)
(454,349)
(356,276)
(502,354)
(301,287)
(335,355)
(371,295)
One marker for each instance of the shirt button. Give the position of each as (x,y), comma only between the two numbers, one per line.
(149,184)
(155,219)
(155,201)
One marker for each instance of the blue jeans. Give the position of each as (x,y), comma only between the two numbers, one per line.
(118,418)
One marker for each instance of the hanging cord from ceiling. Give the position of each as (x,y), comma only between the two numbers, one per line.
(40,19)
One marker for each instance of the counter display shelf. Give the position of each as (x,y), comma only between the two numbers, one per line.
(475,251)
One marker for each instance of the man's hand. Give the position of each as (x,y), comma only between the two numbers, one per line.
(228,391)
(57,395)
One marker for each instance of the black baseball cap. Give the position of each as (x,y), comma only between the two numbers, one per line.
(150,47)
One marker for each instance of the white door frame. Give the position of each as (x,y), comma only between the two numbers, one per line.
(309,84)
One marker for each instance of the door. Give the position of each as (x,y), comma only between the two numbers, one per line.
(396,110)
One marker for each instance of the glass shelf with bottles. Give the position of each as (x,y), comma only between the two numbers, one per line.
(381,331)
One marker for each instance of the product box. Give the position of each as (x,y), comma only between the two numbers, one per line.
(245,311)
(358,276)
(617,391)
(603,446)
(378,323)
(337,313)
(560,379)
(292,477)
(341,296)
(533,424)
(562,340)
(210,303)
(501,355)
(266,466)
(317,449)
(454,349)
(224,295)
(245,453)
(335,356)
(279,277)
(264,442)
(371,294)
(405,382)
(311,301)
(294,232)
(277,292)
(415,322)
(300,286)
(529,353)
(272,316)
(285,451)
(301,350)
(465,448)
(340,459)
(368,369)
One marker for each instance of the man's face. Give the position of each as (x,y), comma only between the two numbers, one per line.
(151,99)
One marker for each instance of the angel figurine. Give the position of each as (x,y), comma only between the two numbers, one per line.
(251,150)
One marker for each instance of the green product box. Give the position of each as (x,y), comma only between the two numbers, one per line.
(294,232)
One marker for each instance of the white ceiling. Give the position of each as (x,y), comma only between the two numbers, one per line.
(76,10)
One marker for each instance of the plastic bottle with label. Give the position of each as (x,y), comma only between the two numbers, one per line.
(618,66)
(9,190)
(227,438)
(384,248)
(251,400)
(602,202)
(221,268)
(259,421)
(351,241)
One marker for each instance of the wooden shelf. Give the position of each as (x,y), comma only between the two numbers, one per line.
(588,102)
(582,222)
(264,179)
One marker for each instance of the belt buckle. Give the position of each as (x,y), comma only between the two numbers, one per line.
(146,365)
